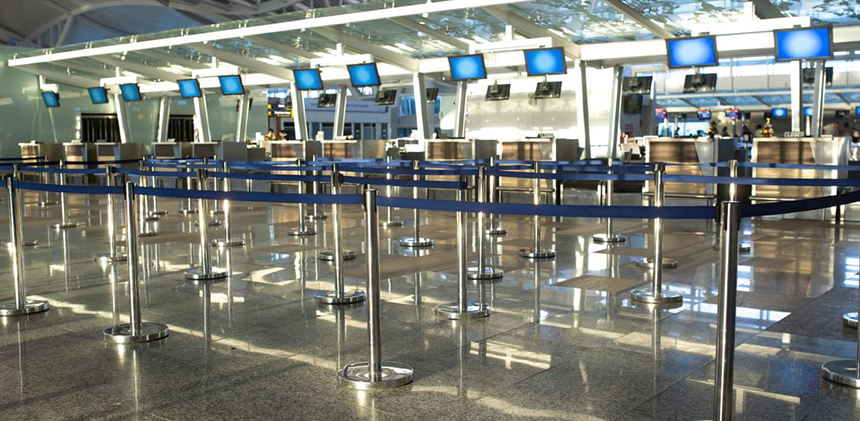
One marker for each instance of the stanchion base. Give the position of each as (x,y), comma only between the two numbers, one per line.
(67,225)
(160,212)
(188,211)
(147,234)
(306,231)
(452,312)
(357,376)
(31,243)
(46,204)
(152,218)
(391,224)
(489,274)
(497,231)
(224,243)
(645,295)
(349,297)
(647,262)
(540,254)
(109,258)
(328,255)
(8,308)
(742,247)
(843,372)
(216,212)
(148,332)
(850,319)
(211,223)
(313,217)
(416,242)
(609,239)
(197,274)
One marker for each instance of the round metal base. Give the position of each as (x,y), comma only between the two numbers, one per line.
(216,212)
(147,234)
(648,262)
(31,243)
(391,224)
(152,218)
(224,243)
(313,217)
(349,297)
(328,255)
(609,239)
(416,242)
(211,223)
(497,231)
(8,308)
(46,204)
(488,274)
(188,211)
(160,212)
(452,312)
(843,372)
(645,295)
(197,274)
(850,319)
(742,247)
(357,376)
(307,231)
(540,254)
(67,225)
(148,332)
(109,258)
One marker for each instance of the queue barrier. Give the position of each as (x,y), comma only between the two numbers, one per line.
(28,168)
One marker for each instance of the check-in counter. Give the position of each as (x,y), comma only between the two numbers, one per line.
(228,151)
(535,149)
(803,150)
(51,151)
(79,152)
(285,150)
(109,151)
(346,149)
(689,152)
(171,150)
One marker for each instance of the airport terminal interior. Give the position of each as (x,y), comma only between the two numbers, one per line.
(430,209)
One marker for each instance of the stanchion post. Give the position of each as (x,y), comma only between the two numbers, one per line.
(205,272)
(64,205)
(735,197)
(339,295)
(316,189)
(727,311)
(328,255)
(228,240)
(302,229)
(416,241)
(45,200)
(656,295)
(482,272)
(373,374)
(148,214)
(494,198)
(146,229)
(536,252)
(189,203)
(389,221)
(113,255)
(136,330)
(16,175)
(609,237)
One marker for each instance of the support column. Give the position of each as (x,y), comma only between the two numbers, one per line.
(339,111)
(242,123)
(582,118)
(615,112)
(460,117)
(820,85)
(201,119)
(299,119)
(163,119)
(421,115)
(797,96)
(122,118)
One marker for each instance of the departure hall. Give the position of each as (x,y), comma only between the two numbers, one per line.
(591,210)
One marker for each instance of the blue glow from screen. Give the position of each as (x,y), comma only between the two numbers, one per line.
(231,85)
(857,111)
(545,62)
(364,75)
(130,92)
(467,67)
(308,79)
(189,88)
(779,112)
(803,44)
(807,111)
(51,99)
(704,115)
(98,95)
(692,52)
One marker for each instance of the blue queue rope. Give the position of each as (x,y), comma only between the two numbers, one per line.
(322,199)
(408,171)
(453,185)
(281,167)
(802,205)
(164,174)
(37,158)
(269,177)
(56,188)
(28,168)
(122,161)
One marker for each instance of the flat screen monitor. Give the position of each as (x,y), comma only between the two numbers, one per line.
(545,61)
(326,100)
(362,75)
(189,88)
(52,99)
(841,113)
(467,67)
(496,92)
(386,96)
(231,85)
(308,79)
(130,92)
(432,94)
(638,85)
(705,82)
(545,90)
(807,111)
(704,114)
(813,43)
(809,76)
(660,114)
(779,112)
(98,95)
(692,52)
(733,114)
(857,111)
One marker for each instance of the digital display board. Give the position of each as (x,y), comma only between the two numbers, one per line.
(468,67)
(362,75)
(98,95)
(804,43)
(189,88)
(130,92)
(545,61)
(231,85)
(308,79)
(692,52)
(52,99)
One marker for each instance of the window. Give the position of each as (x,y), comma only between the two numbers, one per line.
(407,105)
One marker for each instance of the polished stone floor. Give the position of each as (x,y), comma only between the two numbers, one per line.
(564,340)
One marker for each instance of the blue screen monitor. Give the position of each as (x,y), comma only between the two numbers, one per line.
(804,43)
(52,99)
(704,114)
(779,112)
(807,111)
(467,67)
(660,114)
(692,52)
(98,95)
(189,88)
(362,75)
(130,92)
(231,85)
(857,111)
(545,61)
(733,113)
(308,79)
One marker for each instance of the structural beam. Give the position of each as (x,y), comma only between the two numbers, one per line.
(383,54)
(299,117)
(639,18)
(282,48)
(148,72)
(242,123)
(460,117)
(422,117)
(201,119)
(818,99)
(797,96)
(163,119)
(172,59)
(583,118)
(527,27)
(339,112)
(246,62)
(447,39)
(55,76)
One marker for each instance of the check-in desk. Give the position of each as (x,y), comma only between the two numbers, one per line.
(171,150)
(285,150)
(346,149)
(804,150)
(689,153)
(51,151)
(534,149)
(109,151)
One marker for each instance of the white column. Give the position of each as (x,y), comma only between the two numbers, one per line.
(242,123)
(422,117)
(820,85)
(163,119)
(582,117)
(460,117)
(796,96)
(201,119)
(299,118)
(339,111)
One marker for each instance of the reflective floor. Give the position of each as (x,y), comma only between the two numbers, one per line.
(564,340)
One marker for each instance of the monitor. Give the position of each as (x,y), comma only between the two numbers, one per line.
(660,114)
(467,67)
(809,76)
(692,52)
(841,113)
(52,99)
(189,88)
(130,92)
(231,85)
(705,82)
(362,75)
(704,114)
(496,92)
(638,85)
(814,42)
(733,113)
(326,100)
(431,94)
(807,111)
(98,95)
(779,112)
(308,79)
(857,111)
(545,90)
(386,97)
(545,61)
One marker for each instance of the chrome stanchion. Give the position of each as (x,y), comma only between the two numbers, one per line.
(302,229)
(494,198)
(845,372)
(373,374)
(64,205)
(609,237)
(44,197)
(416,241)
(537,252)
(147,228)
(316,189)
(734,196)
(148,214)
(228,240)
(389,221)
(135,330)
(655,294)
(462,309)
(16,171)
(153,182)
(850,319)
(482,272)
(339,295)
(189,208)
(20,306)
(727,311)
(205,272)
(113,255)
